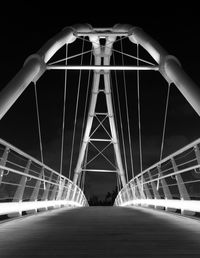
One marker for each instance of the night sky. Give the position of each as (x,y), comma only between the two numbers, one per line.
(177,30)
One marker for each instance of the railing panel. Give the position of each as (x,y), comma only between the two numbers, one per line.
(28,185)
(170,183)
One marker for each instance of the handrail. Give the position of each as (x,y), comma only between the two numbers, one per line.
(23,191)
(176,153)
(159,191)
(29,157)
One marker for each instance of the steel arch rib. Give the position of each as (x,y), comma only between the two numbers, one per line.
(169,66)
(35,65)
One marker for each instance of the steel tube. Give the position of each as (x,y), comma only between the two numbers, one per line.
(101,67)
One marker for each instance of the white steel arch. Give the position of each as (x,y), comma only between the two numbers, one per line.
(35,66)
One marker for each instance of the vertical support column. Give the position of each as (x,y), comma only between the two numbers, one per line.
(99,53)
(181,187)
(3,162)
(106,61)
(91,113)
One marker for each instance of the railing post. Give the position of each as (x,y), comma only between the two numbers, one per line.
(34,195)
(167,193)
(64,196)
(3,162)
(181,187)
(120,198)
(53,193)
(146,189)
(20,189)
(60,190)
(46,191)
(74,192)
(132,185)
(153,185)
(165,187)
(18,197)
(197,154)
(69,187)
(79,197)
(155,191)
(128,196)
(140,188)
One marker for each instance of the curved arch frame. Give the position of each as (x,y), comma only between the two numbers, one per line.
(35,65)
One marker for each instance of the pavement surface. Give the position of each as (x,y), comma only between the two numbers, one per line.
(100,232)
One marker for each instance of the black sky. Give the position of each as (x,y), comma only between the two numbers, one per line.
(24,32)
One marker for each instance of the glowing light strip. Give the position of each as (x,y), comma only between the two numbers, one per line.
(18,207)
(101,67)
(189,205)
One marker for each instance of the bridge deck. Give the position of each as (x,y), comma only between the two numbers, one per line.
(100,232)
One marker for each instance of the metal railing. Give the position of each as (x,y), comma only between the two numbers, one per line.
(172,184)
(27,185)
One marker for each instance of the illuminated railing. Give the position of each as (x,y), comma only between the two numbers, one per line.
(27,185)
(172,184)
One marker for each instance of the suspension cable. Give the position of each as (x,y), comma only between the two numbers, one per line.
(164,130)
(86,100)
(165,121)
(127,115)
(117,51)
(70,57)
(63,118)
(39,132)
(120,119)
(76,111)
(139,113)
(38,122)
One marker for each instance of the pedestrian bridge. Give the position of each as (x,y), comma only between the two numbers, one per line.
(45,212)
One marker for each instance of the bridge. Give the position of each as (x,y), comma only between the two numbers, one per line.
(44,211)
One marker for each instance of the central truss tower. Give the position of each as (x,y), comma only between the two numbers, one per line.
(102,54)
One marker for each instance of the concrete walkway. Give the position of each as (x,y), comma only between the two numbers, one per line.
(104,232)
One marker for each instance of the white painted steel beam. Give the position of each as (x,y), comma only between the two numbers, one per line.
(100,170)
(102,67)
